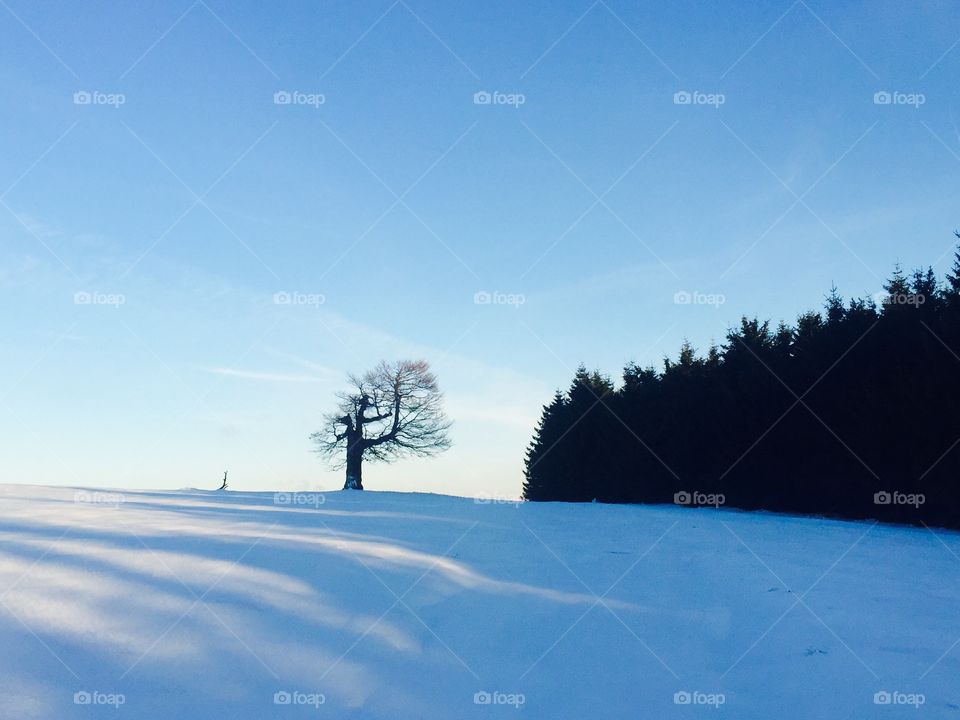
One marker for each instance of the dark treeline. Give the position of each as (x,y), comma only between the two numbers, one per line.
(851,412)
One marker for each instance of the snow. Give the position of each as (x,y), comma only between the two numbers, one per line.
(198,604)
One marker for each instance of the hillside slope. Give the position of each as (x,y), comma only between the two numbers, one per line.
(381,605)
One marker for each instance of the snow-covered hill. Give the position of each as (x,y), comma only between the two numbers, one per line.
(380,605)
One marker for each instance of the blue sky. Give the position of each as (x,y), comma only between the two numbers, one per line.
(585,196)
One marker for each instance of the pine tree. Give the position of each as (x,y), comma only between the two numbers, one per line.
(879,394)
(539,472)
(783,341)
(589,453)
(713,356)
(952,290)
(688,356)
(834,306)
(926,290)
(637,379)
(897,290)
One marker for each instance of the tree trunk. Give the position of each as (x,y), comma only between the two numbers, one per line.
(354,473)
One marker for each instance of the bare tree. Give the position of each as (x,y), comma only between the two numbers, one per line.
(396,409)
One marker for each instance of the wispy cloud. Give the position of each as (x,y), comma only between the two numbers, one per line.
(267,376)
(39,228)
(315,368)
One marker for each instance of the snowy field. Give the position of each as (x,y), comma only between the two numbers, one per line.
(381,605)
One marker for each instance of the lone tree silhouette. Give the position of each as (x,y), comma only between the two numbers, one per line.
(394,410)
